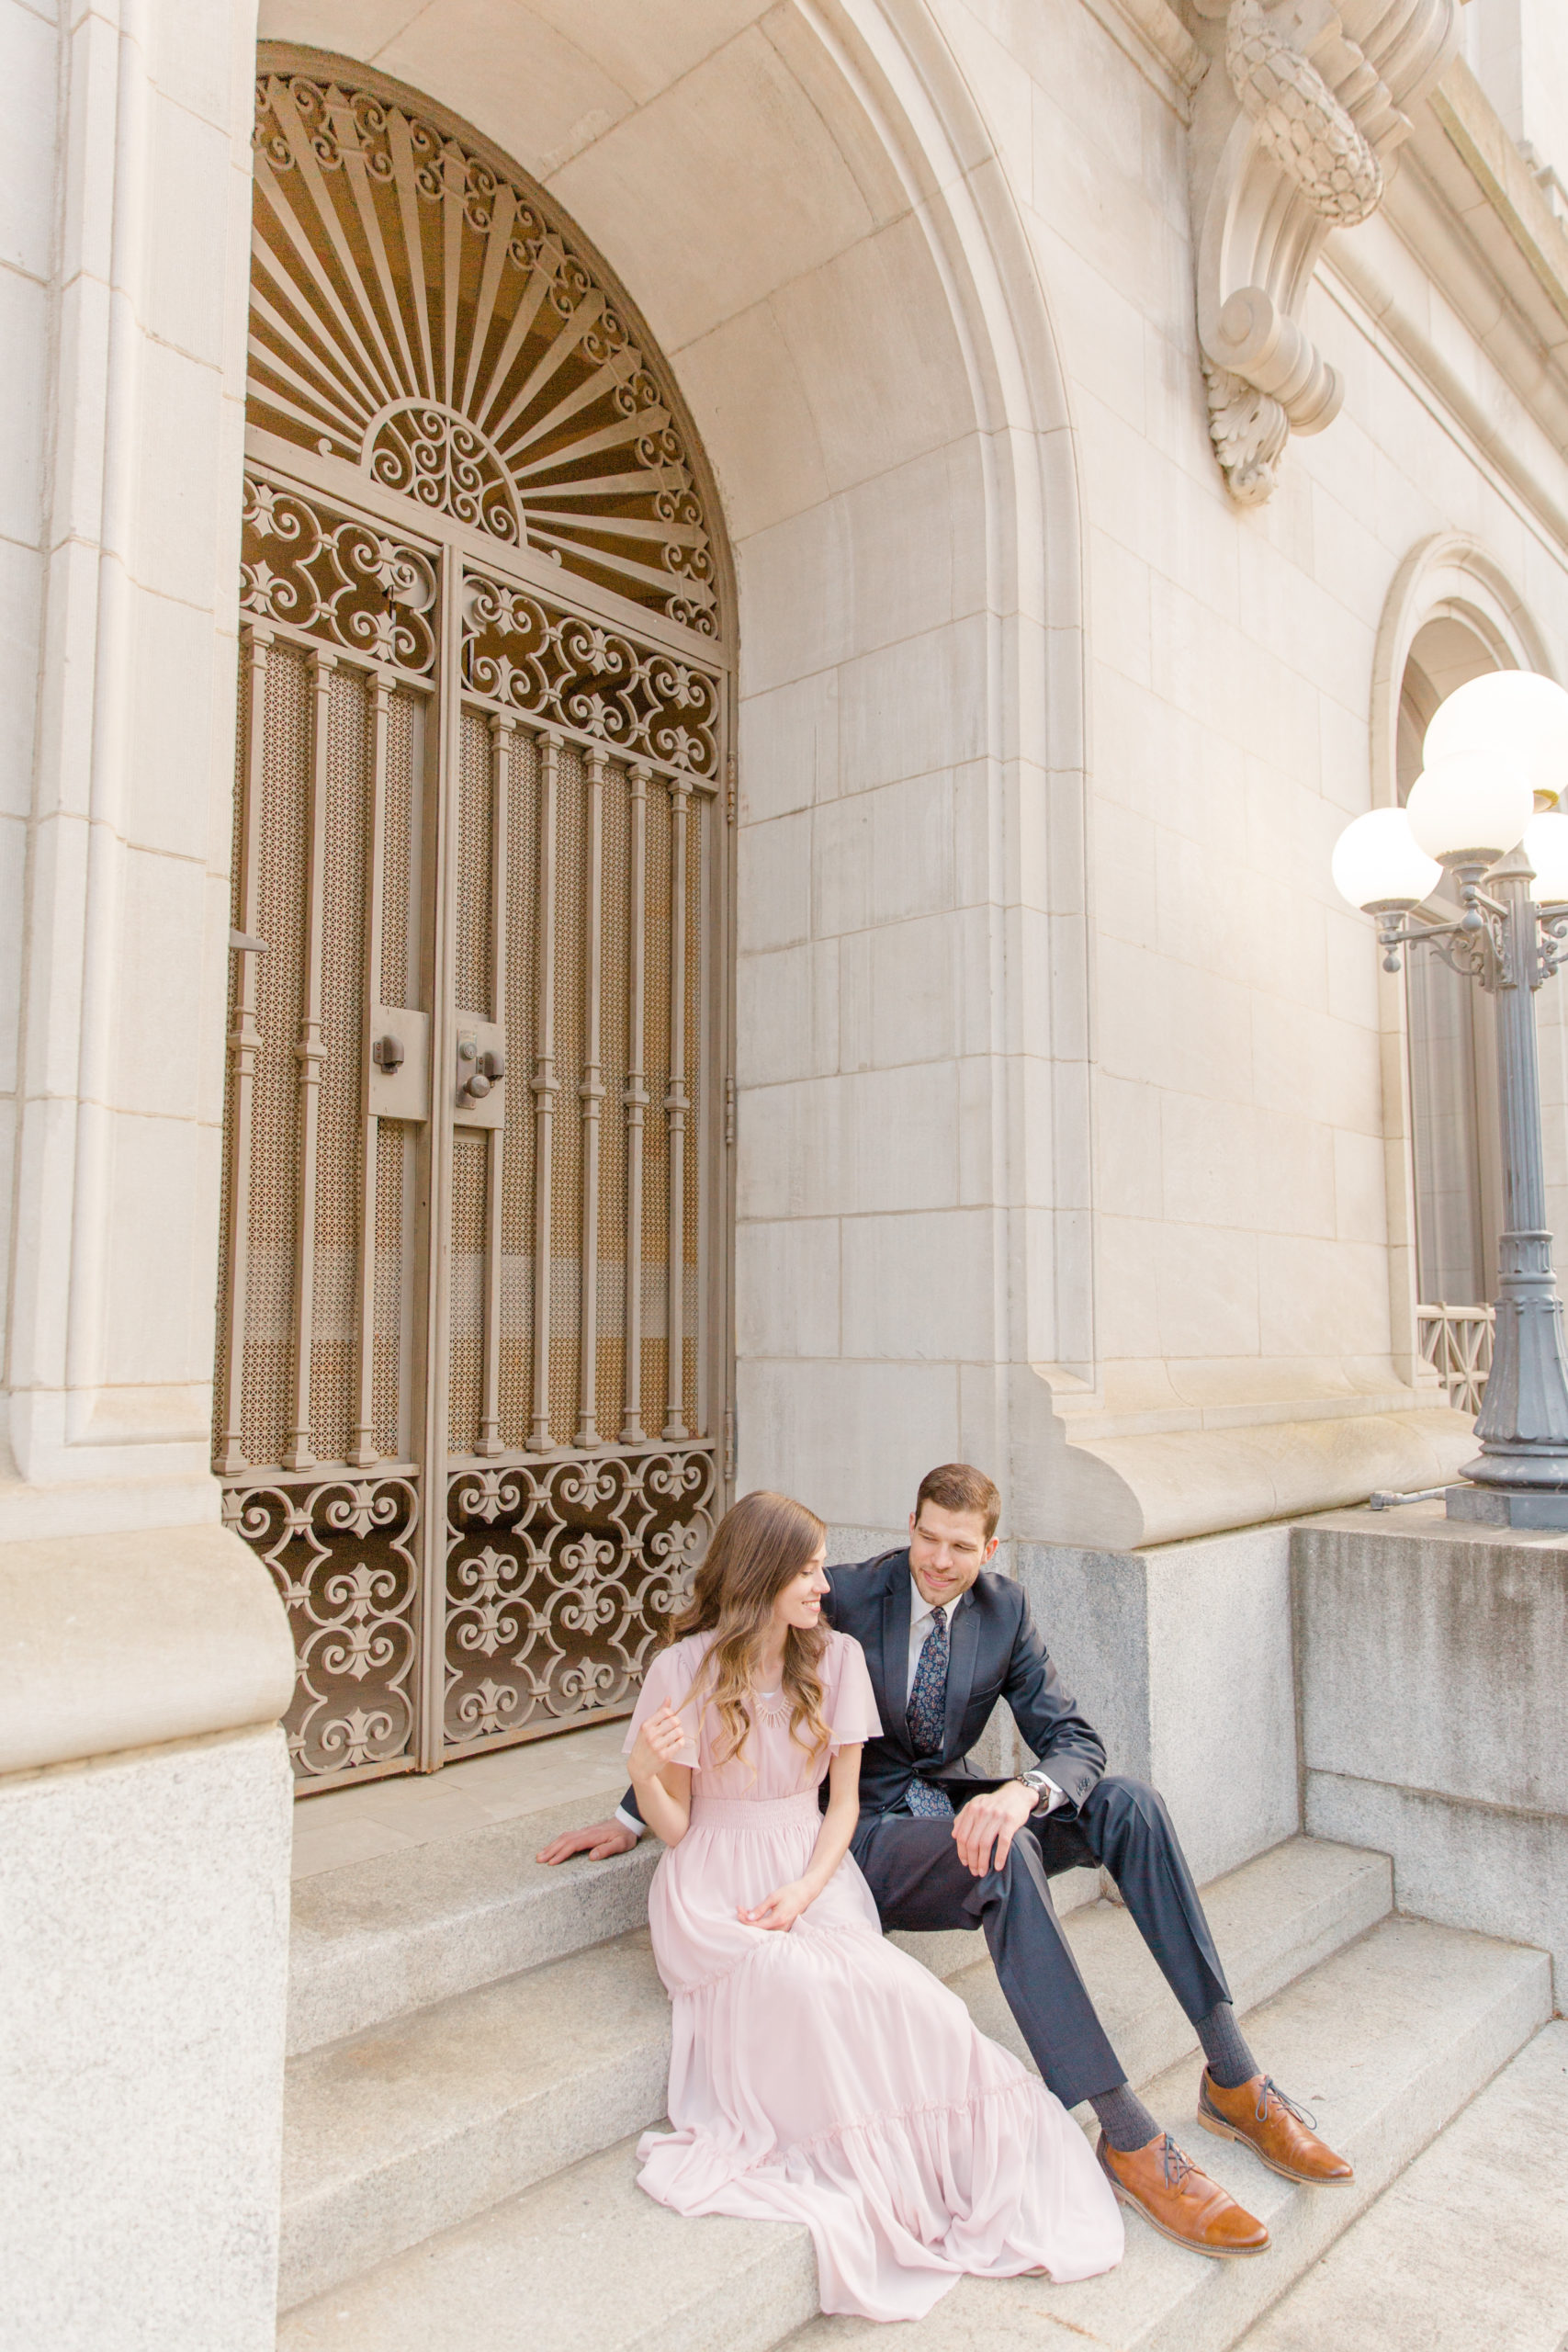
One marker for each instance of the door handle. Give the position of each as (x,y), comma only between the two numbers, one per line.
(473,1078)
(481,1067)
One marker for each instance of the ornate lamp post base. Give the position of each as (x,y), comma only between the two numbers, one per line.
(1509,1506)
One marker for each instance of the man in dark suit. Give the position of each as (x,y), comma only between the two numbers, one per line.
(940,1847)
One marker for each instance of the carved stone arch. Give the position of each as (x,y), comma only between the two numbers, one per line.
(1449,576)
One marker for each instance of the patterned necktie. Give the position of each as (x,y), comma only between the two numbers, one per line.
(926,1717)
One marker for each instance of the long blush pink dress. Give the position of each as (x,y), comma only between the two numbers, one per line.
(824,2076)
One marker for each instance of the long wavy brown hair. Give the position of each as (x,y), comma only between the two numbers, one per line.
(759,1544)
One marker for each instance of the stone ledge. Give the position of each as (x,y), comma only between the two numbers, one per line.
(132,1640)
(1123,1494)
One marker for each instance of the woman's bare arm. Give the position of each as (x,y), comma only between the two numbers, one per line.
(663,1787)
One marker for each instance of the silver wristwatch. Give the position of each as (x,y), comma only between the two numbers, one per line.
(1038,1782)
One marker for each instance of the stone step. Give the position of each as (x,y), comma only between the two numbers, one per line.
(416,2124)
(1469,2246)
(1390,2037)
(374,1939)
(1385,2042)
(584,2261)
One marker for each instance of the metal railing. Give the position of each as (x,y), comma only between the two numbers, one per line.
(1457,1344)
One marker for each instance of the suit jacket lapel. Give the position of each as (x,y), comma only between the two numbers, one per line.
(890,1667)
(963,1644)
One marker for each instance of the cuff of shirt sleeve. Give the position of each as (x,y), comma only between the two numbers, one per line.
(629,1821)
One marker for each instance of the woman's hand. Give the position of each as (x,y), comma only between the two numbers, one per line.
(659,1743)
(783,1907)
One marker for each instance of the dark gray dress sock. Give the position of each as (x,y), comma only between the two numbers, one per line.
(1124,2120)
(1231,2062)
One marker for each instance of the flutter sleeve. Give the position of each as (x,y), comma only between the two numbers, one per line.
(669,1677)
(852,1711)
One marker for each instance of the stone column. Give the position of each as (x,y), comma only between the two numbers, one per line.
(144,1660)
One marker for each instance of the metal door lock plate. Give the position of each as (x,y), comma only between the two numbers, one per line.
(481,1078)
(398,1086)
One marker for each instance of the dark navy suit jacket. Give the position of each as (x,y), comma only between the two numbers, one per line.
(995,1653)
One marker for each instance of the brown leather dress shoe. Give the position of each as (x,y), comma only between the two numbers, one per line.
(1180,2201)
(1259,2113)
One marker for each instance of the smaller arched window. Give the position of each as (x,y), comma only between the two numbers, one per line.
(1452,614)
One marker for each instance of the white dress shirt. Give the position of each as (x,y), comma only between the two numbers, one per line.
(921,1613)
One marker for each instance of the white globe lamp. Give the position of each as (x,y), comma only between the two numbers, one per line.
(1379,864)
(1472,808)
(1514,713)
(1546,846)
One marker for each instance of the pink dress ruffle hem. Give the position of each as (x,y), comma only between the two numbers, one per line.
(825,2077)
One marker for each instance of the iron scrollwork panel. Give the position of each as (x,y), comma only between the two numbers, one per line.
(561,1579)
(336,577)
(342,1552)
(530,655)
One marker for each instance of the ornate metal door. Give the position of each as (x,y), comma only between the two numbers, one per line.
(470,1361)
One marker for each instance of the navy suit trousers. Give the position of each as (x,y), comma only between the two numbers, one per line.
(919,1882)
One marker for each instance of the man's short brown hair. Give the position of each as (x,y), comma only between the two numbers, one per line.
(958,1485)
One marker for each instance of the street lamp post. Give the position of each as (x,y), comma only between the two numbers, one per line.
(1496,751)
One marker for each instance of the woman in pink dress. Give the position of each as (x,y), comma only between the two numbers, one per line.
(818,2073)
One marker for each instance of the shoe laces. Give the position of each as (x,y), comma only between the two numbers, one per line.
(1270,2089)
(1177,2166)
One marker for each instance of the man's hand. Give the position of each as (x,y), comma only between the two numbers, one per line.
(597,1840)
(993,1820)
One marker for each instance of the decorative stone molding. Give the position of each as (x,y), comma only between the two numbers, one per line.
(1127,1492)
(1299,116)
(133,1640)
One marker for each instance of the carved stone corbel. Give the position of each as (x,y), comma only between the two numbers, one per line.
(1295,126)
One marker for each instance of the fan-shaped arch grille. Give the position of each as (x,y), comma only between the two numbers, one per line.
(419,313)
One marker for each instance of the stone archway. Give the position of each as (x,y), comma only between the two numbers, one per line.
(804,201)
